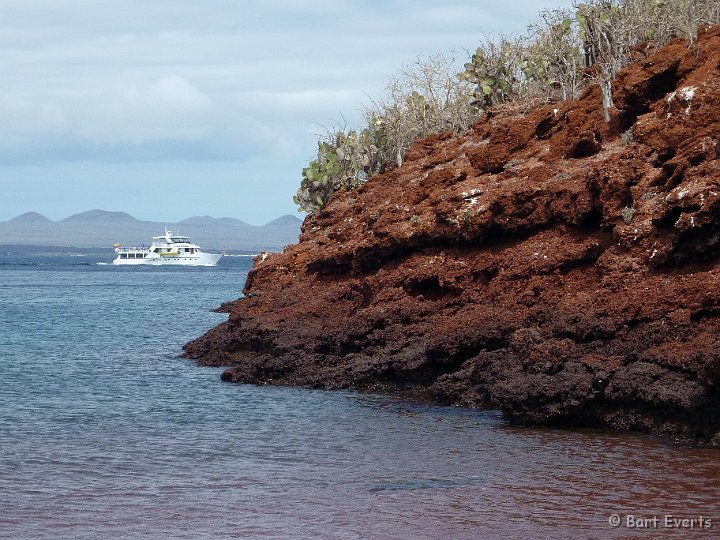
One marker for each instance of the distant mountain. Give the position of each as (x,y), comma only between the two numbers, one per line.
(100,228)
(30,217)
(209,221)
(283,221)
(100,216)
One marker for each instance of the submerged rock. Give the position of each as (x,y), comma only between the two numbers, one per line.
(561,268)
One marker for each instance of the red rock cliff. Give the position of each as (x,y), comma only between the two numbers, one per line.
(560,268)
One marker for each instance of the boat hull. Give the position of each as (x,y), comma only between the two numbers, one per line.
(166,250)
(153,259)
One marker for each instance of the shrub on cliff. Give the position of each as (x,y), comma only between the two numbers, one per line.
(544,63)
(427,98)
(549,62)
(344,159)
(610,29)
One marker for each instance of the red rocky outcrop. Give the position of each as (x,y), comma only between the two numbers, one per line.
(558,267)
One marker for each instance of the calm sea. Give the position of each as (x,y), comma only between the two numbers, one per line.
(106,433)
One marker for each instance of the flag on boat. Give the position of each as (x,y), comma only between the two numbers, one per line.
(116,245)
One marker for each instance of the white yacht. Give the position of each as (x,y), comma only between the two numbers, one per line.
(167,250)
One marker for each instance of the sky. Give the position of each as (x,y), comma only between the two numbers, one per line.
(167,109)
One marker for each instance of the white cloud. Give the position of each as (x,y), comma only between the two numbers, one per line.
(168,108)
(183,80)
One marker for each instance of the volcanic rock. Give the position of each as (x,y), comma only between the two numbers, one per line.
(553,265)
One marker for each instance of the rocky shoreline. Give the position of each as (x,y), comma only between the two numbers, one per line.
(563,269)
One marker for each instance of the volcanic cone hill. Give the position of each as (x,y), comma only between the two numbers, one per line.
(556,266)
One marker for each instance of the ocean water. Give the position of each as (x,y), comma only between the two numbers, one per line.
(106,433)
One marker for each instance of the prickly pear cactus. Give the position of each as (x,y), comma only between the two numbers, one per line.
(494,69)
(344,160)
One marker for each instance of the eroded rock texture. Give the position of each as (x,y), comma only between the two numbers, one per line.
(550,264)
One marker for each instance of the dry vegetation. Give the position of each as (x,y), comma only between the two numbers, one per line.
(550,61)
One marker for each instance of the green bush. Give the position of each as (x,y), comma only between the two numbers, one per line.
(344,160)
(496,71)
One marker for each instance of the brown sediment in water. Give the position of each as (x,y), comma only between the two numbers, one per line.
(553,265)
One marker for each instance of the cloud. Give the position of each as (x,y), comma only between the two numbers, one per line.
(219,80)
(169,108)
